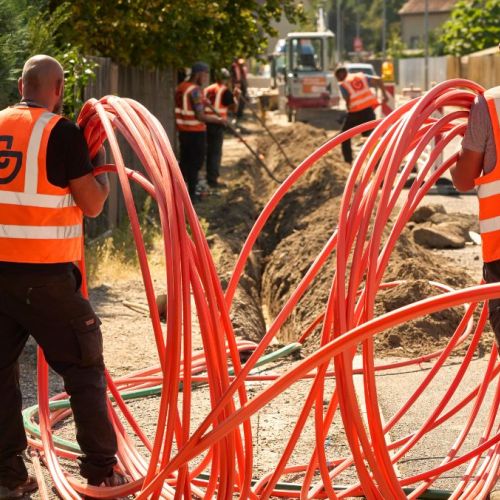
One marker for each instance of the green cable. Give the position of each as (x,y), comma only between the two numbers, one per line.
(34,429)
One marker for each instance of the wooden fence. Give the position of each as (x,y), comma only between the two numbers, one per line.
(482,67)
(152,88)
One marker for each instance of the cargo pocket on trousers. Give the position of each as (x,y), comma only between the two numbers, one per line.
(89,337)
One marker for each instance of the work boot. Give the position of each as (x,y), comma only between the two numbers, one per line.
(116,479)
(20,490)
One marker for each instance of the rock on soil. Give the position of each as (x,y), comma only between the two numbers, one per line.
(439,236)
(425,212)
(437,229)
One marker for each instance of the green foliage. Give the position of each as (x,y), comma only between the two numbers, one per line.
(372,21)
(28,28)
(310,20)
(474,26)
(436,44)
(12,50)
(159,33)
(395,46)
(78,71)
(42,27)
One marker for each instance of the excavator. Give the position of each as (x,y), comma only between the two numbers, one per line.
(302,68)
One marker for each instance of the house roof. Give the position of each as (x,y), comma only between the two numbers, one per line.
(434,6)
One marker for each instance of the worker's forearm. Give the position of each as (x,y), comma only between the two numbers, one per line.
(467,169)
(461,179)
(102,187)
(381,86)
(103,179)
(216,120)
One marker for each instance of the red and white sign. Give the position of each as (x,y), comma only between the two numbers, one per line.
(313,84)
(388,107)
(358,44)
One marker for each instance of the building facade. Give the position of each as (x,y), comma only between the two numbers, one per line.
(413,19)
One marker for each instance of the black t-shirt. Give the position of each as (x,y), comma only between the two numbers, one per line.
(67,154)
(227,98)
(67,159)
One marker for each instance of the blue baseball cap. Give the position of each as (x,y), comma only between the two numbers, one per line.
(199,67)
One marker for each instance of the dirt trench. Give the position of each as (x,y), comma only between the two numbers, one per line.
(295,234)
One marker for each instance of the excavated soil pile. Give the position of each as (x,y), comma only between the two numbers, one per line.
(418,336)
(296,233)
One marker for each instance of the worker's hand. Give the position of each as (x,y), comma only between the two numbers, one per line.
(385,98)
(224,122)
(237,92)
(100,158)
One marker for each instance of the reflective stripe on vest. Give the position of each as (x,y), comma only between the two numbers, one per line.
(360,95)
(39,222)
(488,187)
(40,232)
(37,200)
(213,93)
(185,117)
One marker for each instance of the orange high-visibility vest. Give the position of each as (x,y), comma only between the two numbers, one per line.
(39,222)
(185,118)
(213,93)
(488,187)
(360,95)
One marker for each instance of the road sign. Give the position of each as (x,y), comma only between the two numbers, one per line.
(358,44)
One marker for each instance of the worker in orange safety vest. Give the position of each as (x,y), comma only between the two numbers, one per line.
(47,185)
(479,166)
(220,100)
(360,101)
(191,121)
(239,77)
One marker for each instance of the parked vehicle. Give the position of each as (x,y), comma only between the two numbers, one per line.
(367,69)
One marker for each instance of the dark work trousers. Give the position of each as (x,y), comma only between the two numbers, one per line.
(353,120)
(215,138)
(193,146)
(242,102)
(51,308)
(491,274)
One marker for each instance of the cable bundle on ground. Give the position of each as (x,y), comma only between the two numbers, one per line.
(215,458)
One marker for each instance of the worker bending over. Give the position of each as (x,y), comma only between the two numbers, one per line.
(219,100)
(360,102)
(191,120)
(46,186)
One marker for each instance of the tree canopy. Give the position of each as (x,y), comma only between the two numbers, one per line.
(160,33)
(27,27)
(474,26)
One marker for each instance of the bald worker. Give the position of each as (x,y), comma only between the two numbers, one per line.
(46,187)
